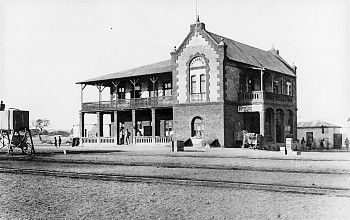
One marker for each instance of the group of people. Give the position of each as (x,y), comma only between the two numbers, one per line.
(323,143)
(59,141)
(124,136)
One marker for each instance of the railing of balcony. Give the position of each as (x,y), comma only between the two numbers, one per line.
(269,96)
(259,96)
(197,97)
(255,96)
(162,101)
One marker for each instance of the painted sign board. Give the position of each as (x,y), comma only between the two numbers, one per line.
(250,108)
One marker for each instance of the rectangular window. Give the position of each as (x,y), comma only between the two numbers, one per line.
(167,87)
(153,93)
(202,83)
(121,93)
(193,84)
(136,93)
(289,88)
(276,87)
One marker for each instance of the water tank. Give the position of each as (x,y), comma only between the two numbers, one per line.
(14,119)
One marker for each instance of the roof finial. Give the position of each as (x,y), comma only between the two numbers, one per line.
(197,15)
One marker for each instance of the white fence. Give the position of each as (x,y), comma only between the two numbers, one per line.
(139,140)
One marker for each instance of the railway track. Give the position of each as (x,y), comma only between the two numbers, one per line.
(338,192)
(172,165)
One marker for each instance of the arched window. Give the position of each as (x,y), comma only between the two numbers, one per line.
(197,79)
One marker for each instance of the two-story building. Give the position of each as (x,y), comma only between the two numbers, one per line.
(212,87)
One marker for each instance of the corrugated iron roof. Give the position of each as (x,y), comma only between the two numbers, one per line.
(235,51)
(250,55)
(160,67)
(316,124)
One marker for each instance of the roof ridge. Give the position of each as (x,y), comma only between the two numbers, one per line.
(256,56)
(234,42)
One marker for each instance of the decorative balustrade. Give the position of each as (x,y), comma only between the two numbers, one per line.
(197,97)
(89,140)
(270,96)
(138,140)
(255,96)
(149,102)
(107,140)
(259,96)
(163,140)
(144,140)
(153,140)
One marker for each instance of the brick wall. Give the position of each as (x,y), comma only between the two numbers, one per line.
(212,115)
(232,83)
(233,121)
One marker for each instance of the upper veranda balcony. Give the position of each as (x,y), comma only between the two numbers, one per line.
(134,103)
(267,88)
(141,91)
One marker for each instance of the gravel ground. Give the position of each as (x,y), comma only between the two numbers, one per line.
(40,197)
(244,176)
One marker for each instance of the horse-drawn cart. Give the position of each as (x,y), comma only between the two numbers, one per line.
(15,132)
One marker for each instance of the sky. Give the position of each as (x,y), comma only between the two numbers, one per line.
(48,46)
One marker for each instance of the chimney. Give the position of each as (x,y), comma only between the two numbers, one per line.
(2,106)
(274,51)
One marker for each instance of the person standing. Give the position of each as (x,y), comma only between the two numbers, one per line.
(347,143)
(302,143)
(55,141)
(59,141)
(126,136)
(121,136)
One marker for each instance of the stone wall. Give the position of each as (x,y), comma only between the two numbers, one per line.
(198,43)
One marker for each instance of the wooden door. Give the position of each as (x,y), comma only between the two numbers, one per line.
(337,140)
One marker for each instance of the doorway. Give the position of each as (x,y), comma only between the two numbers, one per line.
(197,129)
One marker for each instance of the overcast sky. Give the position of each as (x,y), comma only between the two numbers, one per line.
(48,46)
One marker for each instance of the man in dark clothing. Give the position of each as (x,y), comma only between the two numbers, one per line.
(59,141)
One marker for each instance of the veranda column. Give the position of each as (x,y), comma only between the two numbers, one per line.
(295,124)
(134,127)
(81,125)
(285,121)
(261,80)
(274,121)
(153,125)
(115,126)
(262,122)
(99,124)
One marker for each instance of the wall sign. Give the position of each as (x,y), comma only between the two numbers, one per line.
(250,108)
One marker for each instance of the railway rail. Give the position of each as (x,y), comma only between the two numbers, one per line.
(328,191)
(170,165)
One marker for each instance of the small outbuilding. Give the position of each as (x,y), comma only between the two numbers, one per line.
(315,131)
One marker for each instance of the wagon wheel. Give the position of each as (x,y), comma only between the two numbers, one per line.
(4,140)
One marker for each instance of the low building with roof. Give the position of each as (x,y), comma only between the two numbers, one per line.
(315,131)
(211,88)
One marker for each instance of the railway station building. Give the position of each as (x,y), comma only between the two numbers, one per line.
(212,87)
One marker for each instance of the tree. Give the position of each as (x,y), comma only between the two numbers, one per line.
(40,124)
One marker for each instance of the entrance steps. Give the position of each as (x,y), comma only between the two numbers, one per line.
(197,142)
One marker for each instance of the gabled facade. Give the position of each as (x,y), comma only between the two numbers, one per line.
(211,88)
